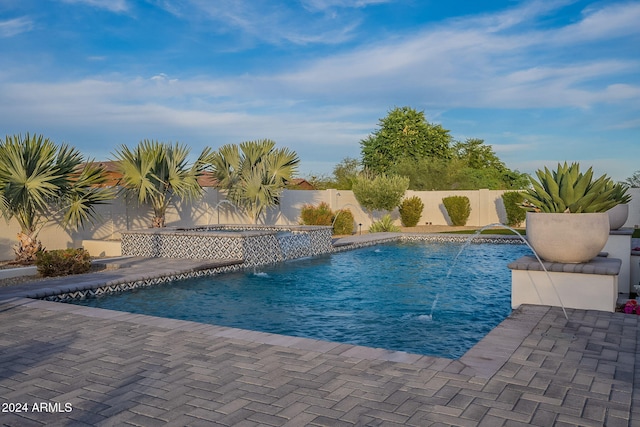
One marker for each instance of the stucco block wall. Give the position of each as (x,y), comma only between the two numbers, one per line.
(120,215)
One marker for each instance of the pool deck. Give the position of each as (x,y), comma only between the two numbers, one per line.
(71,365)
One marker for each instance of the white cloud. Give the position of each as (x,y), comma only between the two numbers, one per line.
(117,6)
(627,124)
(13,27)
(139,107)
(527,11)
(321,5)
(472,65)
(266,21)
(612,21)
(448,66)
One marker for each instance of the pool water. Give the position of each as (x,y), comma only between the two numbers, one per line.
(380,296)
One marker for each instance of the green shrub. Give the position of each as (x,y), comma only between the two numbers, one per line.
(316,215)
(63,262)
(384,225)
(411,211)
(458,208)
(343,222)
(512,201)
(379,193)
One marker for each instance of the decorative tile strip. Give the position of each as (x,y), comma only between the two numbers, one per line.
(364,244)
(477,238)
(257,245)
(128,286)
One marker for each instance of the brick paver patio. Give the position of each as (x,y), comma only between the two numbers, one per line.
(62,364)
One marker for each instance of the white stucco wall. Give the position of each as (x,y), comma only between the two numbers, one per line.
(486,208)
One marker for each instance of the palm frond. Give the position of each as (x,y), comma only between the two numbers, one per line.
(253,173)
(157,173)
(39,180)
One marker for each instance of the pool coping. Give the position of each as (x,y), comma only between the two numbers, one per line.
(483,360)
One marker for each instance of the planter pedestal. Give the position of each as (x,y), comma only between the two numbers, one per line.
(585,286)
(618,246)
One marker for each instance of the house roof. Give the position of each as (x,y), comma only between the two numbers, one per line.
(207,179)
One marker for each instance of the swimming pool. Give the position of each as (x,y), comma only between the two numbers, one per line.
(381,296)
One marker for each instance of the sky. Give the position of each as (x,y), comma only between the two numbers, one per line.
(542,82)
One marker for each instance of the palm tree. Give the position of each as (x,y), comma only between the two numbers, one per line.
(156,173)
(253,173)
(40,182)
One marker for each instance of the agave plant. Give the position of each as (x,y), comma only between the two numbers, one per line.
(567,190)
(621,193)
(385,225)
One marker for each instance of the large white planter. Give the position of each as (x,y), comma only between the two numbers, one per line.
(618,216)
(567,237)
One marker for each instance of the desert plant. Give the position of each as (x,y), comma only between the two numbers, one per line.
(567,190)
(62,262)
(156,173)
(343,222)
(621,193)
(384,225)
(42,182)
(410,211)
(254,173)
(634,180)
(512,201)
(316,215)
(458,208)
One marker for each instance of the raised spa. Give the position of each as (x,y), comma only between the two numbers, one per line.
(256,245)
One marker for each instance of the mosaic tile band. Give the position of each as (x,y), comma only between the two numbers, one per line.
(256,245)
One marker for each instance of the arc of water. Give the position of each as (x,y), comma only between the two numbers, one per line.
(340,211)
(468,241)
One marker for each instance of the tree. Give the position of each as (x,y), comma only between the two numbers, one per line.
(253,173)
(478,155)
(429,173)
(158,173)
(41,182)
(346,172)
(634,180)
(404,133)
(489,171)
(380,192)
(474,165)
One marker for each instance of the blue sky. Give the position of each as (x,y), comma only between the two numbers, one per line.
(540,81)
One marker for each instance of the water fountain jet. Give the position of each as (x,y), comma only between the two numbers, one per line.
(468,242)
(340,211)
